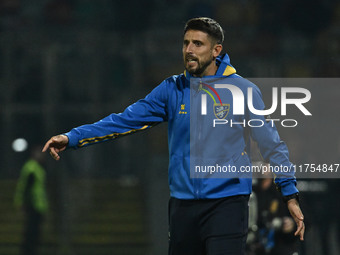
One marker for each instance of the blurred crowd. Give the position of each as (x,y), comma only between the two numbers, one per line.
(299,37)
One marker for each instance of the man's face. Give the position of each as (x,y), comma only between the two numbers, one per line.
(199,53)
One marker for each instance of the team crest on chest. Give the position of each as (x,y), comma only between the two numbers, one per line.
(221,111)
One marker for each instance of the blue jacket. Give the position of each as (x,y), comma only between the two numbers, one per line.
(170,101)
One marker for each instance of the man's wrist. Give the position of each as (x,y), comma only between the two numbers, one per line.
(289,197)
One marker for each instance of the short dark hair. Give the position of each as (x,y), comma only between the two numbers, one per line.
(207,25)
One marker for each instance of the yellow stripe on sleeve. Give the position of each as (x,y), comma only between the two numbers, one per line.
(92,140)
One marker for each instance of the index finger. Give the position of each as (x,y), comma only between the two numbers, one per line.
(47,145)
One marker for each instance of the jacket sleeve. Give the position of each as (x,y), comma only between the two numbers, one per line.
(139,116)
(272,149)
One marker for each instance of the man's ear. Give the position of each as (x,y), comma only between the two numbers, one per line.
(217,50)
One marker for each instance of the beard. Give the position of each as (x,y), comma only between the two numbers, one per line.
(201,65)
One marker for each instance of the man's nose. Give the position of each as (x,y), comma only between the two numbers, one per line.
(188,48)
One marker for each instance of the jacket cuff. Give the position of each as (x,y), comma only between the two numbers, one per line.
(72,140)
(288,188)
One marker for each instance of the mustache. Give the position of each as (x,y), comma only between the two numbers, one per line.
(190,57)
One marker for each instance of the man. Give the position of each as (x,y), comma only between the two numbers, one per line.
(31,196)
(203,218)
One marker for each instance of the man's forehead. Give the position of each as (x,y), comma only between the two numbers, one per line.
(196,35)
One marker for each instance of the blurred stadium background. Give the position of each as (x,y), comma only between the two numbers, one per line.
(68,62)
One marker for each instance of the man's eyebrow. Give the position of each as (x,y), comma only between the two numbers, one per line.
(185,41)
(194,41)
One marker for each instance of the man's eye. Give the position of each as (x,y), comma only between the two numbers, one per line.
(198,44)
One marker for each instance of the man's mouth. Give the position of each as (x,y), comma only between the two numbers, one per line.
(191,60)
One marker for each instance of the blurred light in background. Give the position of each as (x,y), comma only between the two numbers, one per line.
(19,145)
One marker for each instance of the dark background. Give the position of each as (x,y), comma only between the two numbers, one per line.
(65,63)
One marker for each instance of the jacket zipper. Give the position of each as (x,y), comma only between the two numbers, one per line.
(197,181)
